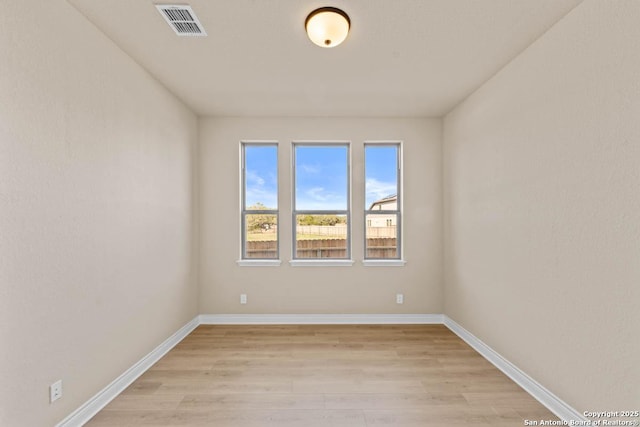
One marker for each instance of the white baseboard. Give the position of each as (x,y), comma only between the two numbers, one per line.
(84,413)
(531,386)
(319,319)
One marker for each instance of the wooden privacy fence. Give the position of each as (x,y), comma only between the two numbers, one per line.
(380,247)
(323,230)
(389,231)
(322,248)
(341,230)
(262,249)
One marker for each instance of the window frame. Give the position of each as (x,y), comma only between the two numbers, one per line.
(295,261)
(244,260)
(399,259)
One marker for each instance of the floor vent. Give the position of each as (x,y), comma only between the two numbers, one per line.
(182,19)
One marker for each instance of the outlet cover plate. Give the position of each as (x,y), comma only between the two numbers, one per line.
(55,391)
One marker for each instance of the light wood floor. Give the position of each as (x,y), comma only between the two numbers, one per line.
(318,375)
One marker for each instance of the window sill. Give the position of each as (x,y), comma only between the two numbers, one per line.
(384,262)
(321,263)
(259,262)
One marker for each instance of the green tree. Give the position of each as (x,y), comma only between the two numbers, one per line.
(260,221)
(321,220)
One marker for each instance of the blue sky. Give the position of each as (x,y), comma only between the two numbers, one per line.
(261,175)
(381,172)
(321,175)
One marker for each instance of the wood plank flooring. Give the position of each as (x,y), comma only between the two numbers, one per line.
(322,376)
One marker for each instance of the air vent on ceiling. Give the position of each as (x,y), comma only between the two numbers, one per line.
(182,19)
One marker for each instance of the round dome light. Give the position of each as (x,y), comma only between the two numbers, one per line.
(327,26)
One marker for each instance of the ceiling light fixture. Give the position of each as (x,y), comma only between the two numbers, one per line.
(327,26)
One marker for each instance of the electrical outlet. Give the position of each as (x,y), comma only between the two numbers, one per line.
(243,298)
(55,391)
(399,299)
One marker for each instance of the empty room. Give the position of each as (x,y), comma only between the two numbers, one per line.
(304,213)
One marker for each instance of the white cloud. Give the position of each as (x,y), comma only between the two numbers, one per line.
(318,198)
(311,169)
(377,190)
(252,177)
(258,195)
(318,194)
(258,190)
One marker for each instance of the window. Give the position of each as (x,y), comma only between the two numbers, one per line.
(260,201)
(321,201)
(382,188)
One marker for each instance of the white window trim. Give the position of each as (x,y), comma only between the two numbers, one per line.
(259,262)
(384,262)
(338,262)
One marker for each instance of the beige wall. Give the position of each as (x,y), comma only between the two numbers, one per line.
(287,289)
(95,211)
(542,184)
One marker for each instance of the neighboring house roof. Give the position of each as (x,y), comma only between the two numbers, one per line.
(384,201)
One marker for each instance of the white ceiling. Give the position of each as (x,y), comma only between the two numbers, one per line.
(402,57)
